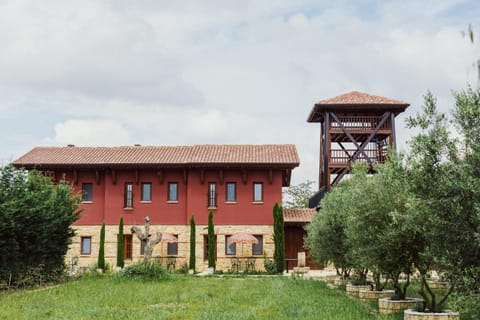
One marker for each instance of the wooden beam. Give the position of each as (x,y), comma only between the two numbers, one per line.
(202,176)
(326,152)
(393,142)
(97,177)
(114,176)
(220,177)
(136,176)
(185,176)
(244,176)
(270,176)
(75,177)
(345,130)
(362,147)
(160,176)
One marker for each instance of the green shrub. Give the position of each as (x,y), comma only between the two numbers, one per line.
(35,219)
(467,305)
(269,266)
(148,271)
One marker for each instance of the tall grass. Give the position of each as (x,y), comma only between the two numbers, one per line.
(182,297)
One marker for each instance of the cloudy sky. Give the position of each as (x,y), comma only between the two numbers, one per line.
(183,72)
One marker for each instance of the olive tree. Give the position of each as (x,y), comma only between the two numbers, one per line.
(326,238)
(380,229)
(447,185)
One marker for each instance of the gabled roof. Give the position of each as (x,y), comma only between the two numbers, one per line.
(298,215)
(356,101)
(283,156)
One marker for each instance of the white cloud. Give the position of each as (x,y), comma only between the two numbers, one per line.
(91,133)
(192,72)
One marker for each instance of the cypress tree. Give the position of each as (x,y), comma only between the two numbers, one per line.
(120,257)
(278,238)
(281,231)
(191,264)
(211,241)
(101,250)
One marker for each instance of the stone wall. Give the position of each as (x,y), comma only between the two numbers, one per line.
(183,232)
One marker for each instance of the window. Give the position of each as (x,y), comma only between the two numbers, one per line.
(127,246)
(257,192)
(128,198)
(257,249)
(230,248)
(172,191)
(231,192)
(172,248)
(87,192)
(146,192)
(86,245)
(143,243)
(205,247)
(212,195)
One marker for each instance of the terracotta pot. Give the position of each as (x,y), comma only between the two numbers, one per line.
(353,290)
(388,305)
(367,295)
(411,314)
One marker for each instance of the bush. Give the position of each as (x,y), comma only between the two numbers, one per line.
(147,271)
(35,219)
(269,266)
(467,305)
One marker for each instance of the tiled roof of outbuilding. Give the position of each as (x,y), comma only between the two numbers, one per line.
(298,214)
(283,155)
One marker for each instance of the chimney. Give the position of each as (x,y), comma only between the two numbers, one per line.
(137,145)
(70,145)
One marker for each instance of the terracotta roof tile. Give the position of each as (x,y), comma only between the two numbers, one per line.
(284,155)
(356,97)
(298,214)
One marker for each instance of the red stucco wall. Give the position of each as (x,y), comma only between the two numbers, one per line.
(108,198)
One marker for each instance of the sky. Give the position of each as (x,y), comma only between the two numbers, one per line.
(184,72)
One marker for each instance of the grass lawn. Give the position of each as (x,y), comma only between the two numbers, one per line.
(185,297)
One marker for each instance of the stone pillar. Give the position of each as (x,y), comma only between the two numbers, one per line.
(301,259)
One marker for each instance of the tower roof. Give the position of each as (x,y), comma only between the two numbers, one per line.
(357,102)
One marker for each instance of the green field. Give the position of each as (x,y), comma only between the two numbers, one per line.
(185,297)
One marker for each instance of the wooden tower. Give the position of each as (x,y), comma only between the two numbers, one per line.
(354,127)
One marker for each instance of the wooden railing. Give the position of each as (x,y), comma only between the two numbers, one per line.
(342,157)
(359,122)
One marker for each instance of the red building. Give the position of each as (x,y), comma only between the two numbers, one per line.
(239,183)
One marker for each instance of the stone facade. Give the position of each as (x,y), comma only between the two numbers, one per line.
(183,231)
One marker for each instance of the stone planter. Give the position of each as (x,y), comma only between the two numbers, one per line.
(438,285)
(367,295)
(331,278)
(339,282)
(191,271)
(210,270)
(389,306)
(410,314)
(352,290)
